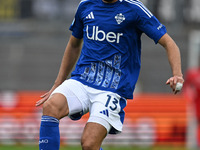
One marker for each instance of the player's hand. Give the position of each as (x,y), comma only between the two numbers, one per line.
(44,97)
(176,83)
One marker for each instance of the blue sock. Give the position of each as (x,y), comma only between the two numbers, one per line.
(49,134)
(101,148)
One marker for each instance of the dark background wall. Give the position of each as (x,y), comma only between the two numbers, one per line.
(34,33)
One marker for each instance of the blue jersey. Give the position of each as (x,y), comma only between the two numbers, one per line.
(110,58)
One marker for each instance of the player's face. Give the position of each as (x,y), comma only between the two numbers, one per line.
(110,1)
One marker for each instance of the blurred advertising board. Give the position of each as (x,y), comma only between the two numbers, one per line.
(151,119)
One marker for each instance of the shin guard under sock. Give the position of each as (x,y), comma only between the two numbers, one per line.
(49,134)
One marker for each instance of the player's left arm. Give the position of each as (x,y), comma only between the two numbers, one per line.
(174,57)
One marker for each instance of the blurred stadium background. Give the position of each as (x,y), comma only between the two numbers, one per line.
(33,36)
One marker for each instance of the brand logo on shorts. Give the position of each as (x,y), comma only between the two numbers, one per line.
(105,112)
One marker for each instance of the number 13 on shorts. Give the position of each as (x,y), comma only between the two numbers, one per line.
(112,103)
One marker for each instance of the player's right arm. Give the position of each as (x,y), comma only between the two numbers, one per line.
(69,59)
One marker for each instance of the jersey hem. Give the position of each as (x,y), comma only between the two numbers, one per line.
(101,88)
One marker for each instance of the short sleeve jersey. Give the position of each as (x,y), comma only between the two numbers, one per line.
(110,57)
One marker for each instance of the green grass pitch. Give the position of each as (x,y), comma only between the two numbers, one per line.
(104,147)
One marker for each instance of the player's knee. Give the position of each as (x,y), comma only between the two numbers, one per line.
(55,109)
(88,145)
(49,109)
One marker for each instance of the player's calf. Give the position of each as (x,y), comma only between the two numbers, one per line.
(49,134)
(53,109)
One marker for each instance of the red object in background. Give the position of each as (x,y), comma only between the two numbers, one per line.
(168,111)
(192,92)
(18,104)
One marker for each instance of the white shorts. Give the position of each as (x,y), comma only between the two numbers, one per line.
(106,108)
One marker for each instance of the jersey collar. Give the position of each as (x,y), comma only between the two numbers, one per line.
(109,4)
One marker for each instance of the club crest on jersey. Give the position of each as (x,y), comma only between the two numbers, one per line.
(120,18)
